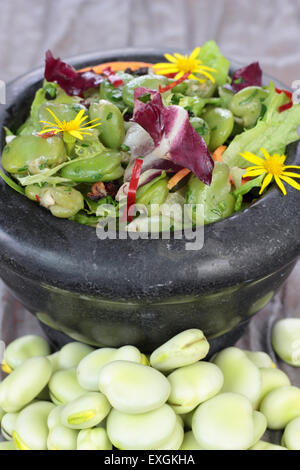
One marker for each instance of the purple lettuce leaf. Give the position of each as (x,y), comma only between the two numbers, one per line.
(72,82)
(251,75)
(174,137)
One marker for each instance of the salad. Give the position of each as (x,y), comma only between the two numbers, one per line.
(176,133)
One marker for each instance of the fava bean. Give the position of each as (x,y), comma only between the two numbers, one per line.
(32,151)
(286,340)
(24,384)
(24,348)
(112,123)
(270,380)
(240,374)
(89,368)
(104,167)
(53,358)
(262,445)
(133,388)
(260,359)
(10,445)
(2,413)
(63,111)
(85,411)
(194,384)
(201,127)
(246,105)
(184,349)
(93,439)
(146,431)
(63,202)
(281,406)
(31,430)
(188,419)
(153,193)
(54,418)
(291,435)
(176,438)
(146,81)
(72,353)
(64,387)
(220,122)
(216,199)
(8,425)
(225,422)
(62,438)
(189,442)
(260,426)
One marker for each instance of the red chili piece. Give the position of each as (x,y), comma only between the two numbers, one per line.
(47,135)
(112,77)
(131,196)
(174,84)
(288,105)
(37,198)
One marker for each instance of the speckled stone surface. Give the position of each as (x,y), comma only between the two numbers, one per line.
(114,292)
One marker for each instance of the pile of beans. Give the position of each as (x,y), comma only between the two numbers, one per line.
(85,399)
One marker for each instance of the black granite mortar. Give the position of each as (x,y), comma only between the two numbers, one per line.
(141,292)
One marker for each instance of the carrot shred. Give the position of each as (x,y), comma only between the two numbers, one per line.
(117,66)
(177,177)
(217,155)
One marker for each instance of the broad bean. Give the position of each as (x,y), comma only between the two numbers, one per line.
(145,431)
(291,435)
(86,411)
(260,426)
(71,354)
(189,442)
(246,105)
(281,406)
(24,384)
(286,340)
(10,445)
(201,128)
(104,167)
(147,81)
(32,153)
(176,438)
(31,430)
(8,425)
(24,348)
(225,422)
(64,387)
(194,384)
(186,348)
(220,122)
(270,380)
(93,439)
(89,368)
(133,388)
(263,445)
(260,359)
(240,374)
(62,438)
(54,418)
(63,202)
(112,124)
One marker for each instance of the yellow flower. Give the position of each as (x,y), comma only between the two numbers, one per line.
(74,127)
(181,64)
(273,167)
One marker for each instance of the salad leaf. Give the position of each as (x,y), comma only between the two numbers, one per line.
(274,132)
(71,81)
(174,137)
(210,55)
(251,75)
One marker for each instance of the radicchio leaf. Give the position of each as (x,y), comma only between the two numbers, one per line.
(72,82)
(251,75)
(174,137)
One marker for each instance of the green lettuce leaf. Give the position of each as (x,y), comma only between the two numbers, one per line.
(210,55)
(274,132)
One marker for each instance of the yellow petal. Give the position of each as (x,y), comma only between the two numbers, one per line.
(193,77)
(179,75)
(266,154)
(256,167)
(292,166)
(290,173)
(291,182)
(209,69)
(253,158)
(252,173)
(54,129)
(195,53)
(170,58)
(279,183)
(58,122)
(266,182)
(76,134)
(180,56)
(208,75)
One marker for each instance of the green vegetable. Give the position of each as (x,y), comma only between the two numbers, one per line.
(211,56)
(112,124)
(246,105)
(147,81)
(220,122)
